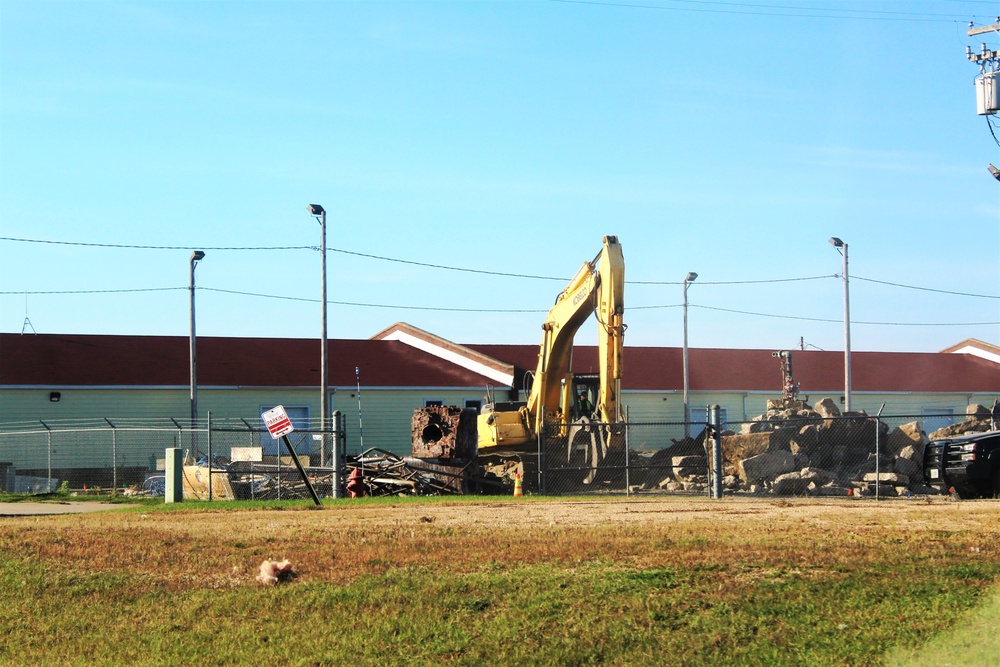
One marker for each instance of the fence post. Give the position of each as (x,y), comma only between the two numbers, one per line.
(628,489)
(48,481)
(114,456)
(878,449)
(336,461)
(173,477)
(209,436)
(541,457)
(716,471)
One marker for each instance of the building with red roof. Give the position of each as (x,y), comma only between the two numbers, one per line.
(67,378)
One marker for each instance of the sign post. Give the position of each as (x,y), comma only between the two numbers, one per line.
(279,426)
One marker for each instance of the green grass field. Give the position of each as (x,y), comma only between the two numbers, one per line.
(506,582)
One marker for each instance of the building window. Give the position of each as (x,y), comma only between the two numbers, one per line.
(430,403)
(700,415)
(476,405)
(935,418)
(299,416)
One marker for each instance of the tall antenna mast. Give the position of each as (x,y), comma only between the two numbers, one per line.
(27,322)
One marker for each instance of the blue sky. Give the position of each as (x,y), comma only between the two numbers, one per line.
(730,139)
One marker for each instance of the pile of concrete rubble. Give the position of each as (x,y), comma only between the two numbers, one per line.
(798,449)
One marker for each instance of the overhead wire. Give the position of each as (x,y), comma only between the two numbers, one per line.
(925,289)
(516,310)
(853,321)
(156,247)
(748,9)
(481,271)
(731,282)
(495,273)
(379,305)
(97,291)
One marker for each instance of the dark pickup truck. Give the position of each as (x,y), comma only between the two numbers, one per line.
(968,464)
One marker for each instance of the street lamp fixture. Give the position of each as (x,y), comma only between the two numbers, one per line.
(842,249)
(196,257)
(324,380)
(689,278)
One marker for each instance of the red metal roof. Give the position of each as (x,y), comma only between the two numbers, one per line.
(89,360)
(661,369)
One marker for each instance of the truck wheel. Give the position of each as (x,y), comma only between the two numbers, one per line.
(996,484)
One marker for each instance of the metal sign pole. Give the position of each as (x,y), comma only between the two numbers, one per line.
(298,464)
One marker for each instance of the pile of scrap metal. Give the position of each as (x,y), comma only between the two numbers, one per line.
(376,472)
(275,483)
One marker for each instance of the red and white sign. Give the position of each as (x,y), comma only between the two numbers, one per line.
(277,422)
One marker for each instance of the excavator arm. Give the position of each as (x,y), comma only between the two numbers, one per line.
(598,287)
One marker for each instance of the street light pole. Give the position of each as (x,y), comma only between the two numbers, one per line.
(838,244)
(689,278)
(196,257)
(324,381)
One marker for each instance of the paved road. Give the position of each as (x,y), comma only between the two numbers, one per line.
(62,507)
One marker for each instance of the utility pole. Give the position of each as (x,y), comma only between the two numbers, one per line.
(324,362)
(988,81)
(983,29)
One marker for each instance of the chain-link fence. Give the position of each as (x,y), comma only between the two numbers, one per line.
(128,457)
(785,453)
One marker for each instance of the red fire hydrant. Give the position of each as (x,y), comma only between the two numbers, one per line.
(356,484)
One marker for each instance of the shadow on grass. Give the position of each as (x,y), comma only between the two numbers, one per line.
(973,641)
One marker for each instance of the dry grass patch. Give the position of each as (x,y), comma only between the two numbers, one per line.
(474,582)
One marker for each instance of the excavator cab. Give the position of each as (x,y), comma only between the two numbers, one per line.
(586,389)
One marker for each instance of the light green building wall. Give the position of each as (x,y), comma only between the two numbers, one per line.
(381,420)
(744,406)
(382,417)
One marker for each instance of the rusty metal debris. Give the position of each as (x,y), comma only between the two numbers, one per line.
(383,473)
(444,432)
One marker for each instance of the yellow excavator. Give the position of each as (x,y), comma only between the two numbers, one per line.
(512,427)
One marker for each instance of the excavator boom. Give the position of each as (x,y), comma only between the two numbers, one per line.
(598,287)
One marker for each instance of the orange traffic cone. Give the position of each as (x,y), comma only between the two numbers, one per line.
(517,486)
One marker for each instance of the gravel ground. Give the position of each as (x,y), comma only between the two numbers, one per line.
(54,507)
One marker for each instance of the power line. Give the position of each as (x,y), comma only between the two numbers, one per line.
(853,322)
(156,247)
(790,11)
(371,256)
(925,289)
(507,310)
(447,268)
(731,282)
(98,291)
(376,305)
(476,271)
(528,310)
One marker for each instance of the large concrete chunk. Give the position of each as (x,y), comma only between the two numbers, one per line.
(743,446)
(892,478)
(792,484)
(907,435)
(765,467)
(827,408)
